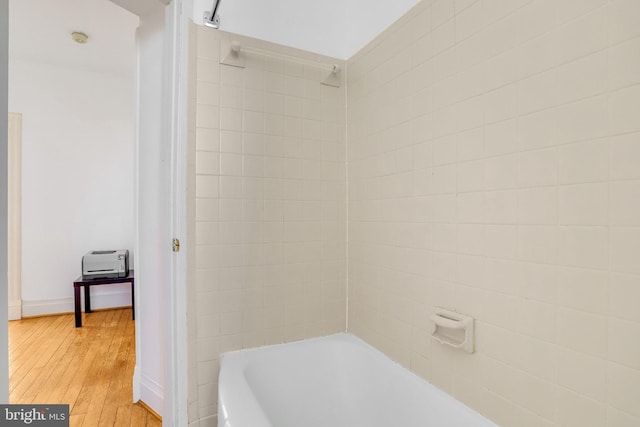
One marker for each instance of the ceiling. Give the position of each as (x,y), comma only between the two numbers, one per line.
(40,31)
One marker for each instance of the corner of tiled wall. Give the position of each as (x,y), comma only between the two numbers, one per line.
(494,169)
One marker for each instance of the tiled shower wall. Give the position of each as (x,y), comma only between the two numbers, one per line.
(494,169)
(267,202)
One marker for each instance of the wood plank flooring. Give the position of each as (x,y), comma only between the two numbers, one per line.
(90,368)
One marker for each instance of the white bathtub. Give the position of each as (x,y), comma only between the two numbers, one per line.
(336,381)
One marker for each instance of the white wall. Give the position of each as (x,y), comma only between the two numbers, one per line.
(336,28)
(153,211)
(77,177)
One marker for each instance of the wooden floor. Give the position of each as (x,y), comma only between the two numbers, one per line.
(90,368)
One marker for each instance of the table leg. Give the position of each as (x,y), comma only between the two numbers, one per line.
(76,297)
(87,299)
(133,303)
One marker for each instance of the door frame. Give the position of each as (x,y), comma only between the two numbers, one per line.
(14,195)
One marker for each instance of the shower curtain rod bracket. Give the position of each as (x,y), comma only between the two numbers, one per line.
(212,23)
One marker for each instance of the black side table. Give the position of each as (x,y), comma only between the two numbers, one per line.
(80,282)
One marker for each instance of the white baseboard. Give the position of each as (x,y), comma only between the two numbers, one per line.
(152,394)
(136,384)
(66,305)
(15,310)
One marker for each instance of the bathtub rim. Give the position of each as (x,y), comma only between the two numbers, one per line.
(236,361)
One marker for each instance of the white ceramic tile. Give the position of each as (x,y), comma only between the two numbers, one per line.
(624,64)
(575,410)
(582,332)
(207,209)
(624,108)
(538,206)
(584,35)
(443,37)
(571,9)
(444,150)
(538,55)
(625,203)
(501,241)
(538,282)
(500,36)
(537,18)
(583,289)
(231,119)
(470,272)
(470,239)
(623,386)
(582,374)
(538,130)
(230,164)
(625,244)
(206,233)
(502,277)
(538,244)
(501,138)
(582,120)
(470,176)
(527,418)
(538,168)
(536,394)
(583,162)
(624,343)
(207,163)
(585,204)
(583,77)
(538,92)
(207,139)
(496,9)
(618,418)
(470,82)
(501,172)
(501,309)
(469,21)
(625,156)
(537,319)
(624,290)
(208,116)
(206,186)
(470,208)
(501,207)
(623,20)
(501,103)
(502,69)
(470,53)
(208,70)
(230,141)
(583,247)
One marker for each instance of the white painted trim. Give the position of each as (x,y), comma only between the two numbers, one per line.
(14,167)
(15,310)
(4,96)
(176,341)
(66,305)
(136,382)
(152,391)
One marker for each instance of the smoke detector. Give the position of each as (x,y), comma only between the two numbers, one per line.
(80,38)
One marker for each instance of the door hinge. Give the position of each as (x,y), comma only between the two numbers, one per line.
(176,245)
